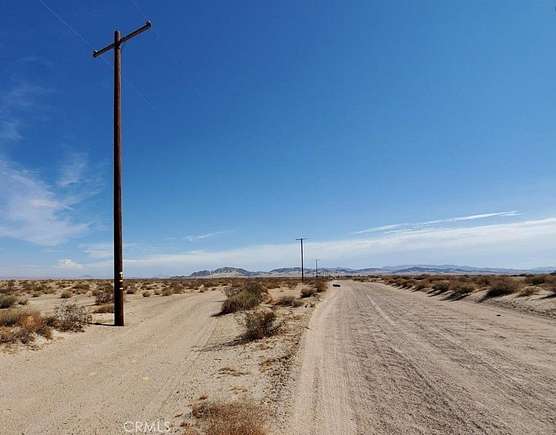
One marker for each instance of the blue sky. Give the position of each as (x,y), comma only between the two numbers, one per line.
(385,132)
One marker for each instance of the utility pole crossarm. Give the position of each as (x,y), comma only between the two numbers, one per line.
(143,28)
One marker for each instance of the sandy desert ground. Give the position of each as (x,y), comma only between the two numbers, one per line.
(172,354)
(362,358)
(378,359)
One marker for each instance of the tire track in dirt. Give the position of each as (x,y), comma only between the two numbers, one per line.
(96,381)
(383,360)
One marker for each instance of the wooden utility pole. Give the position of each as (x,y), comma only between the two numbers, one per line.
(302,270)
(118,240)
(316,268)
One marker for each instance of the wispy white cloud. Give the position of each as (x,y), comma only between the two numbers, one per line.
(195,237)
(31,210)
(98,250)
(72,170)
(510,244)
(105,250)
(21,98)
(417,225)
(68,264)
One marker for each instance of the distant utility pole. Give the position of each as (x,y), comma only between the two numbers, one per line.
(316,268)
(118,254)
(302,270)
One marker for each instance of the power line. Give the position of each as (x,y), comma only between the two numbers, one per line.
(89,45)
(65,23)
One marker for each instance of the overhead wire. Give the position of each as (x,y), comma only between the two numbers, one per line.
(89,45)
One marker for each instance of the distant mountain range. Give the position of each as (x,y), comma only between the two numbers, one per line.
(343,271)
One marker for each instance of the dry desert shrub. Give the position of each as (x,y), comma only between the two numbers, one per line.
(550,283)
(308,292)
(251,295)
(66,294)
(288,301)
(81,287)
(231,291)
(22,326)
(7,301)
(502,286)
(422,284)
(530,290)
(441,286)
(176,288)
(484,280)
(461,288)
(146,294)
(103,296)
(259,324)
(10,317)
(70,317)
(233,418)
(321,286)
(4,291)
(536,279)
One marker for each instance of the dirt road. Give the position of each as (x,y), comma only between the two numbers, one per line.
(97,381)
(382,360)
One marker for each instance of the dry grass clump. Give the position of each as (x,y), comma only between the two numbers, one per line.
(66,294)
(246,298)
(7,301)
(460,288)
(530,290)
(308,292)
(441,286)
(167,292)
(103,296)
(408,283)
(550,284)
(259,324)
(146,294)
(233,418)
(10,317)
(536,279)
(81,287)
(176,287)
(22,326)
(70,317)
(4,291)
(501,287)
(422,285)
(321,286)
(288,301)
